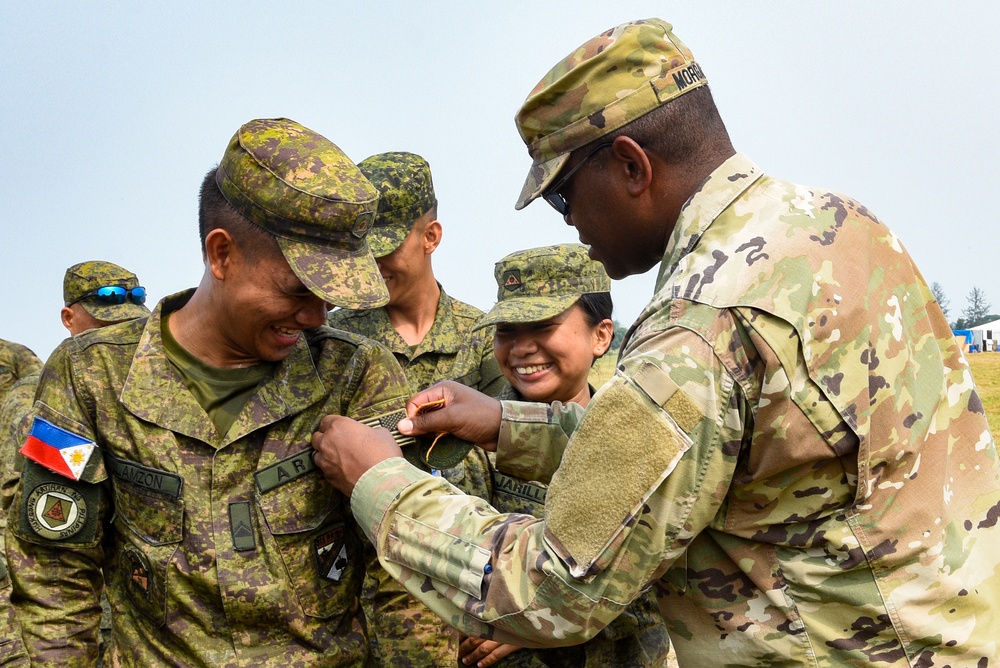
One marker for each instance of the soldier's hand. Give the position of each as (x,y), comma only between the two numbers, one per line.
(456,409)
(483,653)
(345,449)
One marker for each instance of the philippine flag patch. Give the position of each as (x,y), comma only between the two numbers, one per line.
(57,449)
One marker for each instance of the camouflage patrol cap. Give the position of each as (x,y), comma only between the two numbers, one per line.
(406,192)
(300,187)
(86,277)
(540,283)
(603,85)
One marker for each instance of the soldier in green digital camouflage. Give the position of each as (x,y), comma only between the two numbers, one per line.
(17,363)
(171,453)
(553,320)
(792,448)
(431,335)
(95,294)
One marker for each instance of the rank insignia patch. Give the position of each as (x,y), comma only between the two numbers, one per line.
(56,511)
(137,573)
(512,280)
(331,553)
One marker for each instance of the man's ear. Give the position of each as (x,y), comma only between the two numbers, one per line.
(432,236)
(220,249)
(635,163)
(67,315)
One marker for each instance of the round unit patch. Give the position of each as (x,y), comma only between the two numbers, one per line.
(56,511)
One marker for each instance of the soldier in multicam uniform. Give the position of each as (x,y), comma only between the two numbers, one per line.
(553,320)
(792,447)
(17,363)
(431,335)
(185,472)
(95,294)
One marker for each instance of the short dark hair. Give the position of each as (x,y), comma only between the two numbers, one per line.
(683,130)
(597,306)
(215,212)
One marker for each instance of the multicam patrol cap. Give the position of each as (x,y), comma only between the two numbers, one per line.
(300,187)
(606,83)
(540,283)
(406,192)
(86,277)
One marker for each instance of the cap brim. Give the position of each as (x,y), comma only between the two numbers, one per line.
(526,309)
(349,279)
(385,240)
(540,176)
(114,312)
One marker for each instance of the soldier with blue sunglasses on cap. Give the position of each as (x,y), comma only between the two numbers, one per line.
(98,293)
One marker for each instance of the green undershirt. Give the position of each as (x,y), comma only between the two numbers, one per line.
(221,392)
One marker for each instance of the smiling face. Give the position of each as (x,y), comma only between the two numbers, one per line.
(550,360)
(264,308)
(407,270)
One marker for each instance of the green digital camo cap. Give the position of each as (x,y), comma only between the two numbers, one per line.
(606,83)
(86,277)
(406,192)
(300,187)
(540,283)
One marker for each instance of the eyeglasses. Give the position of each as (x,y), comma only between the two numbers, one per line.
(115,294)
(552,194)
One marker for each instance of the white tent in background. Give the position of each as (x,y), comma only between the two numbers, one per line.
(987,336)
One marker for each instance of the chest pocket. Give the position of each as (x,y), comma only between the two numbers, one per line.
(319,548)
(149,519)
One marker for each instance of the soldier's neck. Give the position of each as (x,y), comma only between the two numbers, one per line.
(412,315)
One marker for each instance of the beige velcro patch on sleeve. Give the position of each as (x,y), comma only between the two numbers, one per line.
(659,387)
(615,460)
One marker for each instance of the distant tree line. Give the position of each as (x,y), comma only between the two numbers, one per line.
(976,312)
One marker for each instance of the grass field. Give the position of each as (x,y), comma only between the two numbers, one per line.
(985,371)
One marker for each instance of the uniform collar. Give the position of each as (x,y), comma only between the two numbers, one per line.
(154,390)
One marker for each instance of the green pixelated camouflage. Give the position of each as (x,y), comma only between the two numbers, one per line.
(162,483)
(300,187)
(601,86)
(85,277)
(404,632)
(540,283)
(16,361)
(811,480)
(406,192)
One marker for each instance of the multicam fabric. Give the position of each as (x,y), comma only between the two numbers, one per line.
(635,638)
(590,94)
(85,277)
(300,187)
(220,550)
(540,283)
(404,632)
(406,192)
(816,483)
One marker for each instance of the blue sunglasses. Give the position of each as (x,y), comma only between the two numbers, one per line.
(115,294)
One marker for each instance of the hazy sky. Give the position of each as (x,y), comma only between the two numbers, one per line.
(112,112)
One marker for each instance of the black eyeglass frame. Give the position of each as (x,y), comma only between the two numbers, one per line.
(552,194)
(112,298)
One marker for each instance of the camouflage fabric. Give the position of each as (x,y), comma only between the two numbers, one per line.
(540,283)
(816,483)
(300,187)
(582,98)
(637,637)
(403,631)
(16,405)
(406,192)
(85,277)
(220,551)
(16,361)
